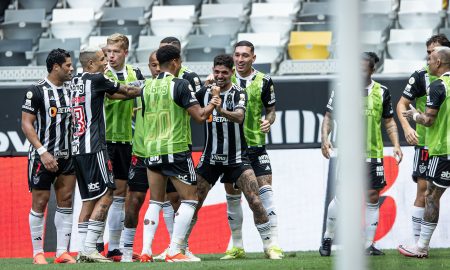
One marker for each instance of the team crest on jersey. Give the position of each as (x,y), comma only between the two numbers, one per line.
(229,103)
(29,94)
(36,179)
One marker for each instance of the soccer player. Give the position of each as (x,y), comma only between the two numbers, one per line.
(167,103)
(92,164)
(137,179)
(436,118)
(260,92)
(45,123)
(119,115)
(225,150)
(378,107)
(416,89)
(172,202)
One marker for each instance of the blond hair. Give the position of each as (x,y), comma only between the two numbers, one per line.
(116,38)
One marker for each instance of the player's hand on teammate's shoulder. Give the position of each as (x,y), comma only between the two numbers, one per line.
(49,162)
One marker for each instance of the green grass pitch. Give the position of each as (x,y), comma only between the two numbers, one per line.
(439,259)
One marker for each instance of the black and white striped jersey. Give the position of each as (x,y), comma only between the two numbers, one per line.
(225,141)
(87,93)
(51,106)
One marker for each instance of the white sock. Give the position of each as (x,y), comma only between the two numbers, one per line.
(265,233)
(372,215)
(128,241)
(36,221)
(151,221)
(426,231)
(95,228)
(188,233)
(116,217)
(63,224)
(266,195)
(82,232)
(100,239)
(181,225)
(331,219)
(417,216)
(235,218)
(169,215)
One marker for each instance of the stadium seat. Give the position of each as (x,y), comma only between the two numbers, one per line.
(48,5)
(408,44)
(148,44)
(24,24)
(285,1)
(420,14)
(309,45)
(72,23)
(14,52)
(136,3)
(196,3)
(205,47)
(268,17)
(221,19)
(244,2)
(96,5)
(376,15)
(445,31)
(371,41)
(100,41)
(125,20)
(3,6)
(402,66)
(268,46)
(47,44)
(315,16)
(172,20)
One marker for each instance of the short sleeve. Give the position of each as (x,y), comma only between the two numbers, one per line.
(31,100)
(330,105)
(183,95)
(388,111)
(139,75)
(415,88)
(268,93)
(194,80)
(200,95)
(437,95)
(105,84)
(240,100)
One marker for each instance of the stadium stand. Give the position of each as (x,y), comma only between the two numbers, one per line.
(309,45)
(72,23)
(205,47)
(177,20)
(24,24)
(48,5)
(126,20)
(408,44)
(94,4)
(376,15)
(314,16)
(14,52)
(47,44)
(136,3)
(420,14)
(271,17)
(222,19)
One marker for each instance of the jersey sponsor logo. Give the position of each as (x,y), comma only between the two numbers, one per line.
(445,175)
(78,88)
(27,108)
(193,98)
(219,157)
(28,102)
(183,177)
(264,159)
(29,94)
(75,146)
(53,111)
(78,99)
(92,187)
(219,119)
(61,153)
(380,171)
(154,159)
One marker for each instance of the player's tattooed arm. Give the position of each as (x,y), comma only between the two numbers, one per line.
(392,132)
(236,116)
(425,119)
(433,195)
(411,135)
(327,127)
(247,182)
(268,119)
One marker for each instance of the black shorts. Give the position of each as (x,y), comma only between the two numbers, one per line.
(41,179)
(94,175)
(420,162)
(259,159)
(439,171)
(231,173)
(182,170)
(137,176)
(376,173)
(120,156)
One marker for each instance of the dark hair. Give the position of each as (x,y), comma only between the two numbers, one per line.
(166,54)
(245,43)
(172,41)
(372,58)
(224,60)
(439,38)
(56,56)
